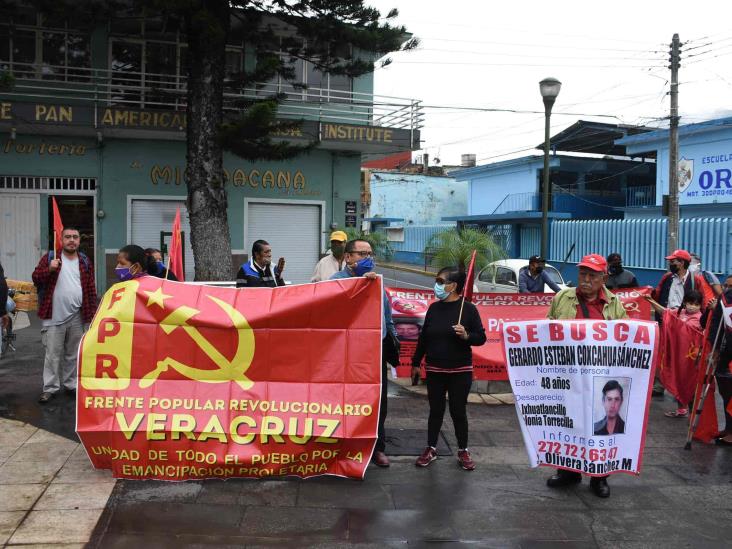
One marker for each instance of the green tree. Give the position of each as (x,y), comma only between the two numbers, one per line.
(454,247)
(325,33)
(379,243)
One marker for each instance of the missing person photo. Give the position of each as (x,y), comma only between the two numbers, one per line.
(610,398)
(408,329)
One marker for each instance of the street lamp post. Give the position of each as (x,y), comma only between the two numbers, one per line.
(549,88)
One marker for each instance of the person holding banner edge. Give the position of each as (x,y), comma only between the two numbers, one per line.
(451,327)
(590,300)
(359,261)
(723,356)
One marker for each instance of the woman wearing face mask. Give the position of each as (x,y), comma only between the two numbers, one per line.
(132,263)
(449,362)
(157,267)
(690,313)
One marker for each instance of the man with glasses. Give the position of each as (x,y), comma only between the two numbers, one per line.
(592,300)
(359,259)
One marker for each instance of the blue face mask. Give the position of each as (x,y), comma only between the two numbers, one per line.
(440,292)
(363,266)
(123,273)
(161,266)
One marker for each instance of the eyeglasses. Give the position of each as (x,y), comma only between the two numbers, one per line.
(362,254)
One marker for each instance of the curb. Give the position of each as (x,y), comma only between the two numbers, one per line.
(406,269)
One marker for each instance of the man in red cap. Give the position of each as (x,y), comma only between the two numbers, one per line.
(590,299)
(672,288)
(674,284)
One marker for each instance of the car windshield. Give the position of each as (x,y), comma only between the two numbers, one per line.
(554,274)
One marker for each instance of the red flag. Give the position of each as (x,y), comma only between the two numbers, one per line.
(175,254)
(707,429)
(58,227)
(468,289)
(681,344)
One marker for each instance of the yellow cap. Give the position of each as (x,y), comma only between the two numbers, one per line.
(339,235)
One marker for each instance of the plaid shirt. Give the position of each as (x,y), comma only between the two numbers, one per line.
(45,281)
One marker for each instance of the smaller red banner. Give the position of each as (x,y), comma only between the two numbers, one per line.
(409,307)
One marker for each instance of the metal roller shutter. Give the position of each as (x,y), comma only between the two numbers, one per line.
(151,217)
(293,231)
(20,247)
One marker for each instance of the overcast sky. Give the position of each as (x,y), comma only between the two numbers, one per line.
(611,59)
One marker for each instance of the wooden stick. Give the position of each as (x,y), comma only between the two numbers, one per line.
(167,266)
(460,316)
(55,253)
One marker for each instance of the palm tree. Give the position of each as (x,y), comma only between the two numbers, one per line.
(379,243)
(455,246)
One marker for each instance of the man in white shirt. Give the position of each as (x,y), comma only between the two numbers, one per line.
(333,260)
(67,301)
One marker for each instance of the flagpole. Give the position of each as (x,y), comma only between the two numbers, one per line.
(167,267)
(55,253)
(698,404)
(468,280)
(460,316)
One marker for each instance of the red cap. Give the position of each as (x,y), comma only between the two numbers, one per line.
(594,262)
(680,254)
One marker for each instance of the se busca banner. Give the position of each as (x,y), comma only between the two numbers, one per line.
(582,390)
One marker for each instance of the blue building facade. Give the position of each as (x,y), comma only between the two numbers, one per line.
(705,198)
(705,168)
(409,208)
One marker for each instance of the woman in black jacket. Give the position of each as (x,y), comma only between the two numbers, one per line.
(449,364)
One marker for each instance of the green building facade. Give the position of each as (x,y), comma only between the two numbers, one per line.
(112,153)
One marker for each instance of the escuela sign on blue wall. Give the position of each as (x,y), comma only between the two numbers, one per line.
(705,173)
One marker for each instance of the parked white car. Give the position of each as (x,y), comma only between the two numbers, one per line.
(502,277)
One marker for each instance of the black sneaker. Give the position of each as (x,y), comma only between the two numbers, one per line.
(45,397)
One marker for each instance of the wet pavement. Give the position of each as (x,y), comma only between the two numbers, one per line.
(681,499)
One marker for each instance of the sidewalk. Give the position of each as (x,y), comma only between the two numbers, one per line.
(408,268)
(49,492)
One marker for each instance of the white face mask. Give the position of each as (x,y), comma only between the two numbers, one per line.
(695,266)
(692,309)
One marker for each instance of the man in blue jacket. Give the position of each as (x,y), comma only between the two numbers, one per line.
(360,262)
(533,277)
(259,272)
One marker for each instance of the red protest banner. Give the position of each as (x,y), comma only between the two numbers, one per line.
(180,382)
(409,307)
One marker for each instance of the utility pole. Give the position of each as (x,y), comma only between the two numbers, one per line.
(673,148)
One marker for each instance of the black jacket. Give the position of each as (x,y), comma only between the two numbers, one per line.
(3,292)
(601,427)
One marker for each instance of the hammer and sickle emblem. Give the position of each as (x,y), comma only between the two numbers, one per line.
(693,352)
(632,306)
(228,370)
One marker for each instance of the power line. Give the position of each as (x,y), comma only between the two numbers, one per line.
(576,66)
(532,55)
(514,111)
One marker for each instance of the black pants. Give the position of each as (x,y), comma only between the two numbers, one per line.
(724,382)
(381,435)
(457,388)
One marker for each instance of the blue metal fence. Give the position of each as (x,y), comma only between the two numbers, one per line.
(642,242)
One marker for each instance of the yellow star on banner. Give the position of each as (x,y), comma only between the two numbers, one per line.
(157,298)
